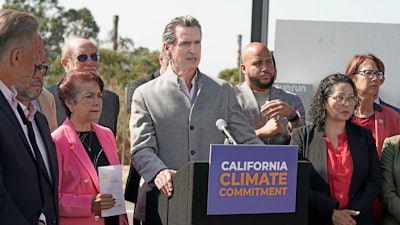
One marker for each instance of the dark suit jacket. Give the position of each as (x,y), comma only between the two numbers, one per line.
(136,83)
(109,113)
(20,194)
(390,106)
(132,183)
(366,180)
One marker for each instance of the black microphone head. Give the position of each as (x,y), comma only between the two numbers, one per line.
(220,124)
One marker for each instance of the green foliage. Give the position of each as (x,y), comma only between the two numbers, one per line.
(117,68)
(56,24)
(230,75)
(80,24)
(51,25)
(55,72)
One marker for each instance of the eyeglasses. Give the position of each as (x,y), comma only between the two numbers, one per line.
(83,57)
(40,68)
(341,99)
(370,74)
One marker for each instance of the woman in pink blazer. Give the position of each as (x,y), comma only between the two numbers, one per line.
(83,146)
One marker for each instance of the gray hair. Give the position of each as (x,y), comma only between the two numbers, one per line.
(169,37)
(164,57)
(17,30)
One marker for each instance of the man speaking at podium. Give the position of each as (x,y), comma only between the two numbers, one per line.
(173,117)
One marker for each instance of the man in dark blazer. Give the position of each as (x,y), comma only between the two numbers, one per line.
(82,55)
(45,103)
(132,183)
(136,83)
(28,193)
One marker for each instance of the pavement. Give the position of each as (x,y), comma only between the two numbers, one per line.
(129,206)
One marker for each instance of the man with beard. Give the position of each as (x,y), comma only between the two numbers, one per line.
(45,103)
(271,111)
(39,136)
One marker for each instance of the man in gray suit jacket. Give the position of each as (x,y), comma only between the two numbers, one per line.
(81,55)
(271,111)
(173,117)
(45,103)
(133,180)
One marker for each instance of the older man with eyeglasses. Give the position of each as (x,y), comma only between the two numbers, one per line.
(80,54)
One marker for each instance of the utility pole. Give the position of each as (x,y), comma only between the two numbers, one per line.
(115,34)
(259,21)
(239,61)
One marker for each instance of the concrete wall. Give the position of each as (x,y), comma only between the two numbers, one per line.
(307,51)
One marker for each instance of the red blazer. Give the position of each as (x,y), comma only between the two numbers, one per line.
(387,124)
(78,180)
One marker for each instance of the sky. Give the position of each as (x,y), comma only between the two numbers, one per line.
(223,20)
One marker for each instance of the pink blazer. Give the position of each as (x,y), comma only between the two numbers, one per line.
(78,180)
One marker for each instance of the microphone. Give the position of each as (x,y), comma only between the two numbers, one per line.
(222,126)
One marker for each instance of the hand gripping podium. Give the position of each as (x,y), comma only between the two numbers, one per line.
(188,206)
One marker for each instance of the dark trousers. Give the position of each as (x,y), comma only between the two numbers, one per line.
(136,222)
(152,216)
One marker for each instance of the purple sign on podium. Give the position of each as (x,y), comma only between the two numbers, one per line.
(252,179)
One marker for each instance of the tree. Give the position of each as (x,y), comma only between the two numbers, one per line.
(56,24)
(230,75)
(80,24)
(117,68)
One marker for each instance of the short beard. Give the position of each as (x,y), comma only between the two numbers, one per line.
(29,95)
(257,83)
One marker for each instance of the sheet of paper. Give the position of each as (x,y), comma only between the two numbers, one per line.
(110,179)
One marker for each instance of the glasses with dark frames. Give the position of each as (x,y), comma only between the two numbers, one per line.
(42,69)
(370,74)
(83,57)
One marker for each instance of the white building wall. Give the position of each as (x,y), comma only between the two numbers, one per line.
(307,51)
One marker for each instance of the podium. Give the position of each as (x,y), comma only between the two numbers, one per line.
(188,206)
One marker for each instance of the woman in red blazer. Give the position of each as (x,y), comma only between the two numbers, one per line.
(367,72)
(82,146)
(345,178)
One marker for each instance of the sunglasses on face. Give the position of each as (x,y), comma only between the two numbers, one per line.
(83,57)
